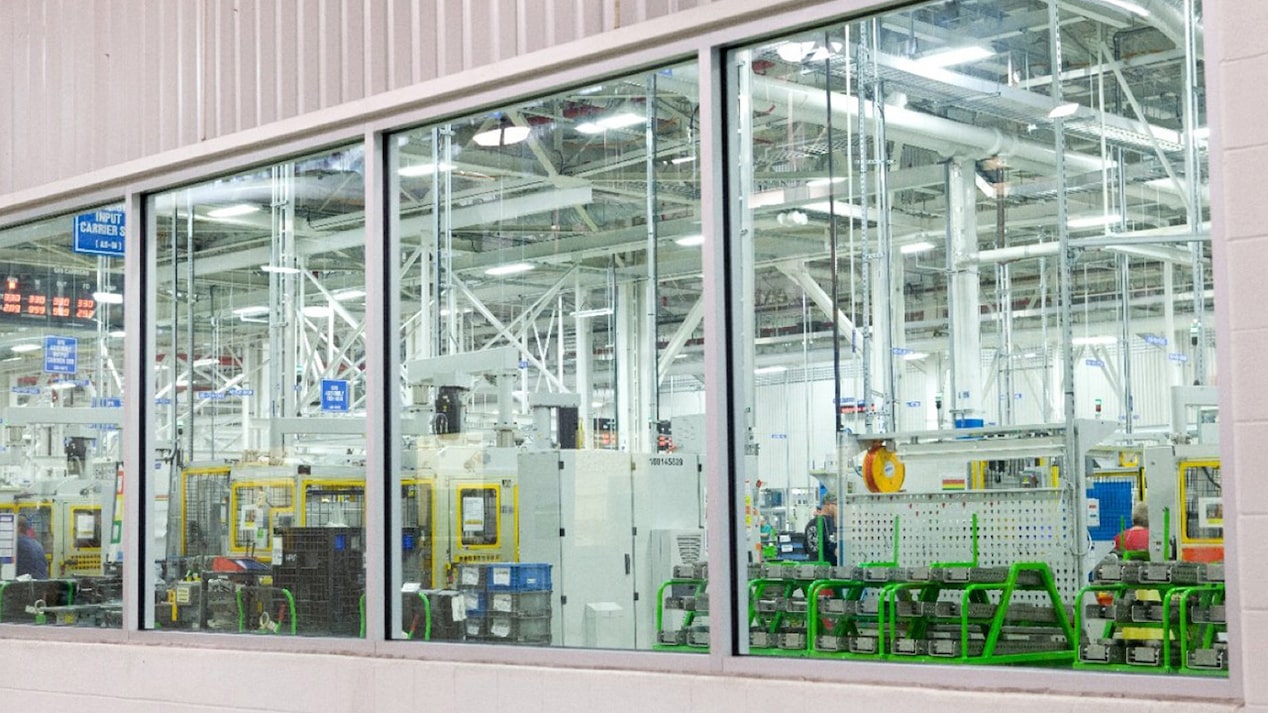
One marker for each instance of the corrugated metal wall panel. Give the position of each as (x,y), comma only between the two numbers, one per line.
(156,75)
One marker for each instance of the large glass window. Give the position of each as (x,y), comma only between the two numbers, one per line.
(259,418)
(549,479)
(61,362)
(975,312)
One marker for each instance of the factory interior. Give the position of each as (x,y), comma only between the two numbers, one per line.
(969,338)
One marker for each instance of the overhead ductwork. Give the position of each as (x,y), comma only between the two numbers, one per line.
(950,139)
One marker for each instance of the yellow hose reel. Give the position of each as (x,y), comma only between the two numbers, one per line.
(882,471)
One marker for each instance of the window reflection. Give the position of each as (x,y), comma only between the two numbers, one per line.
(975,315)
(551,350)
(61,359)
(259,418)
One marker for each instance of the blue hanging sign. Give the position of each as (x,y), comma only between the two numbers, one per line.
(334,395)
(60,355)
(100,232)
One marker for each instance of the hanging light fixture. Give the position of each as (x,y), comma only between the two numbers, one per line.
(503,135)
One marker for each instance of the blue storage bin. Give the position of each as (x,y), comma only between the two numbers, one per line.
(475,601)
(518,577)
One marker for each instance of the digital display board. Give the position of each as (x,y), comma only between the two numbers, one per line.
(52,295)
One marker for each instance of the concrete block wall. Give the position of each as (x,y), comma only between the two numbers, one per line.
(56,676)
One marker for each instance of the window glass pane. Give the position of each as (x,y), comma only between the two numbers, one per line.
(258,373)
(974,306)
(61,361)
(551,349)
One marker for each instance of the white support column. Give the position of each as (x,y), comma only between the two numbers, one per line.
(963,294)
(244,404)
(582,362)
(633,368)
(897,313)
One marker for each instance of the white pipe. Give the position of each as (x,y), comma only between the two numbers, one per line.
(949,138)
(1011,253)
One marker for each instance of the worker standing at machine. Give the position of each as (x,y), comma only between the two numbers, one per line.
(821,533)
(1133,543)
(31,559)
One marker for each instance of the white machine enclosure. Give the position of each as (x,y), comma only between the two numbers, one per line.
(668,528)
(608,523)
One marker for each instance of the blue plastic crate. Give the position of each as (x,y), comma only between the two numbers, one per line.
(475,601)
(518,577)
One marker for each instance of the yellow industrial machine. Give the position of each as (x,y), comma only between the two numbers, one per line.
(465,505)
(235,509)
(1024,472)
(1186,510)
(67,517)
(457,507)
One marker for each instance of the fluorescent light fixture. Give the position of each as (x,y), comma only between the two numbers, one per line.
(60,385)
(1131,7)
(621,120)
(682,159)
(425,169)
(956,55)
(824,181)
(12,359)
(612,121)
(502,136)
(1030,355)
(840,209)
(231,211)
(1063,110)
(317,311)
(794,51)
(207,361)
(690,241)
(596,312)
(281,269)
(592,90)
(108,298)
(511,269)
(821,52)
(1093,221)
(21,348)
(182,383)
(1093,341)
(914,356)
(919,247)
(350,293)
(118,334)
(770,369)
(252,311)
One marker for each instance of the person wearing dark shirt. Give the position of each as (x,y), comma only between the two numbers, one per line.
(821,533)
(31,560)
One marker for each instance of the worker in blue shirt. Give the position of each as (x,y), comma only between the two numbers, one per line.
(31,559)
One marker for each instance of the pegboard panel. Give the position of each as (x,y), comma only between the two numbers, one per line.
(1029,525)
